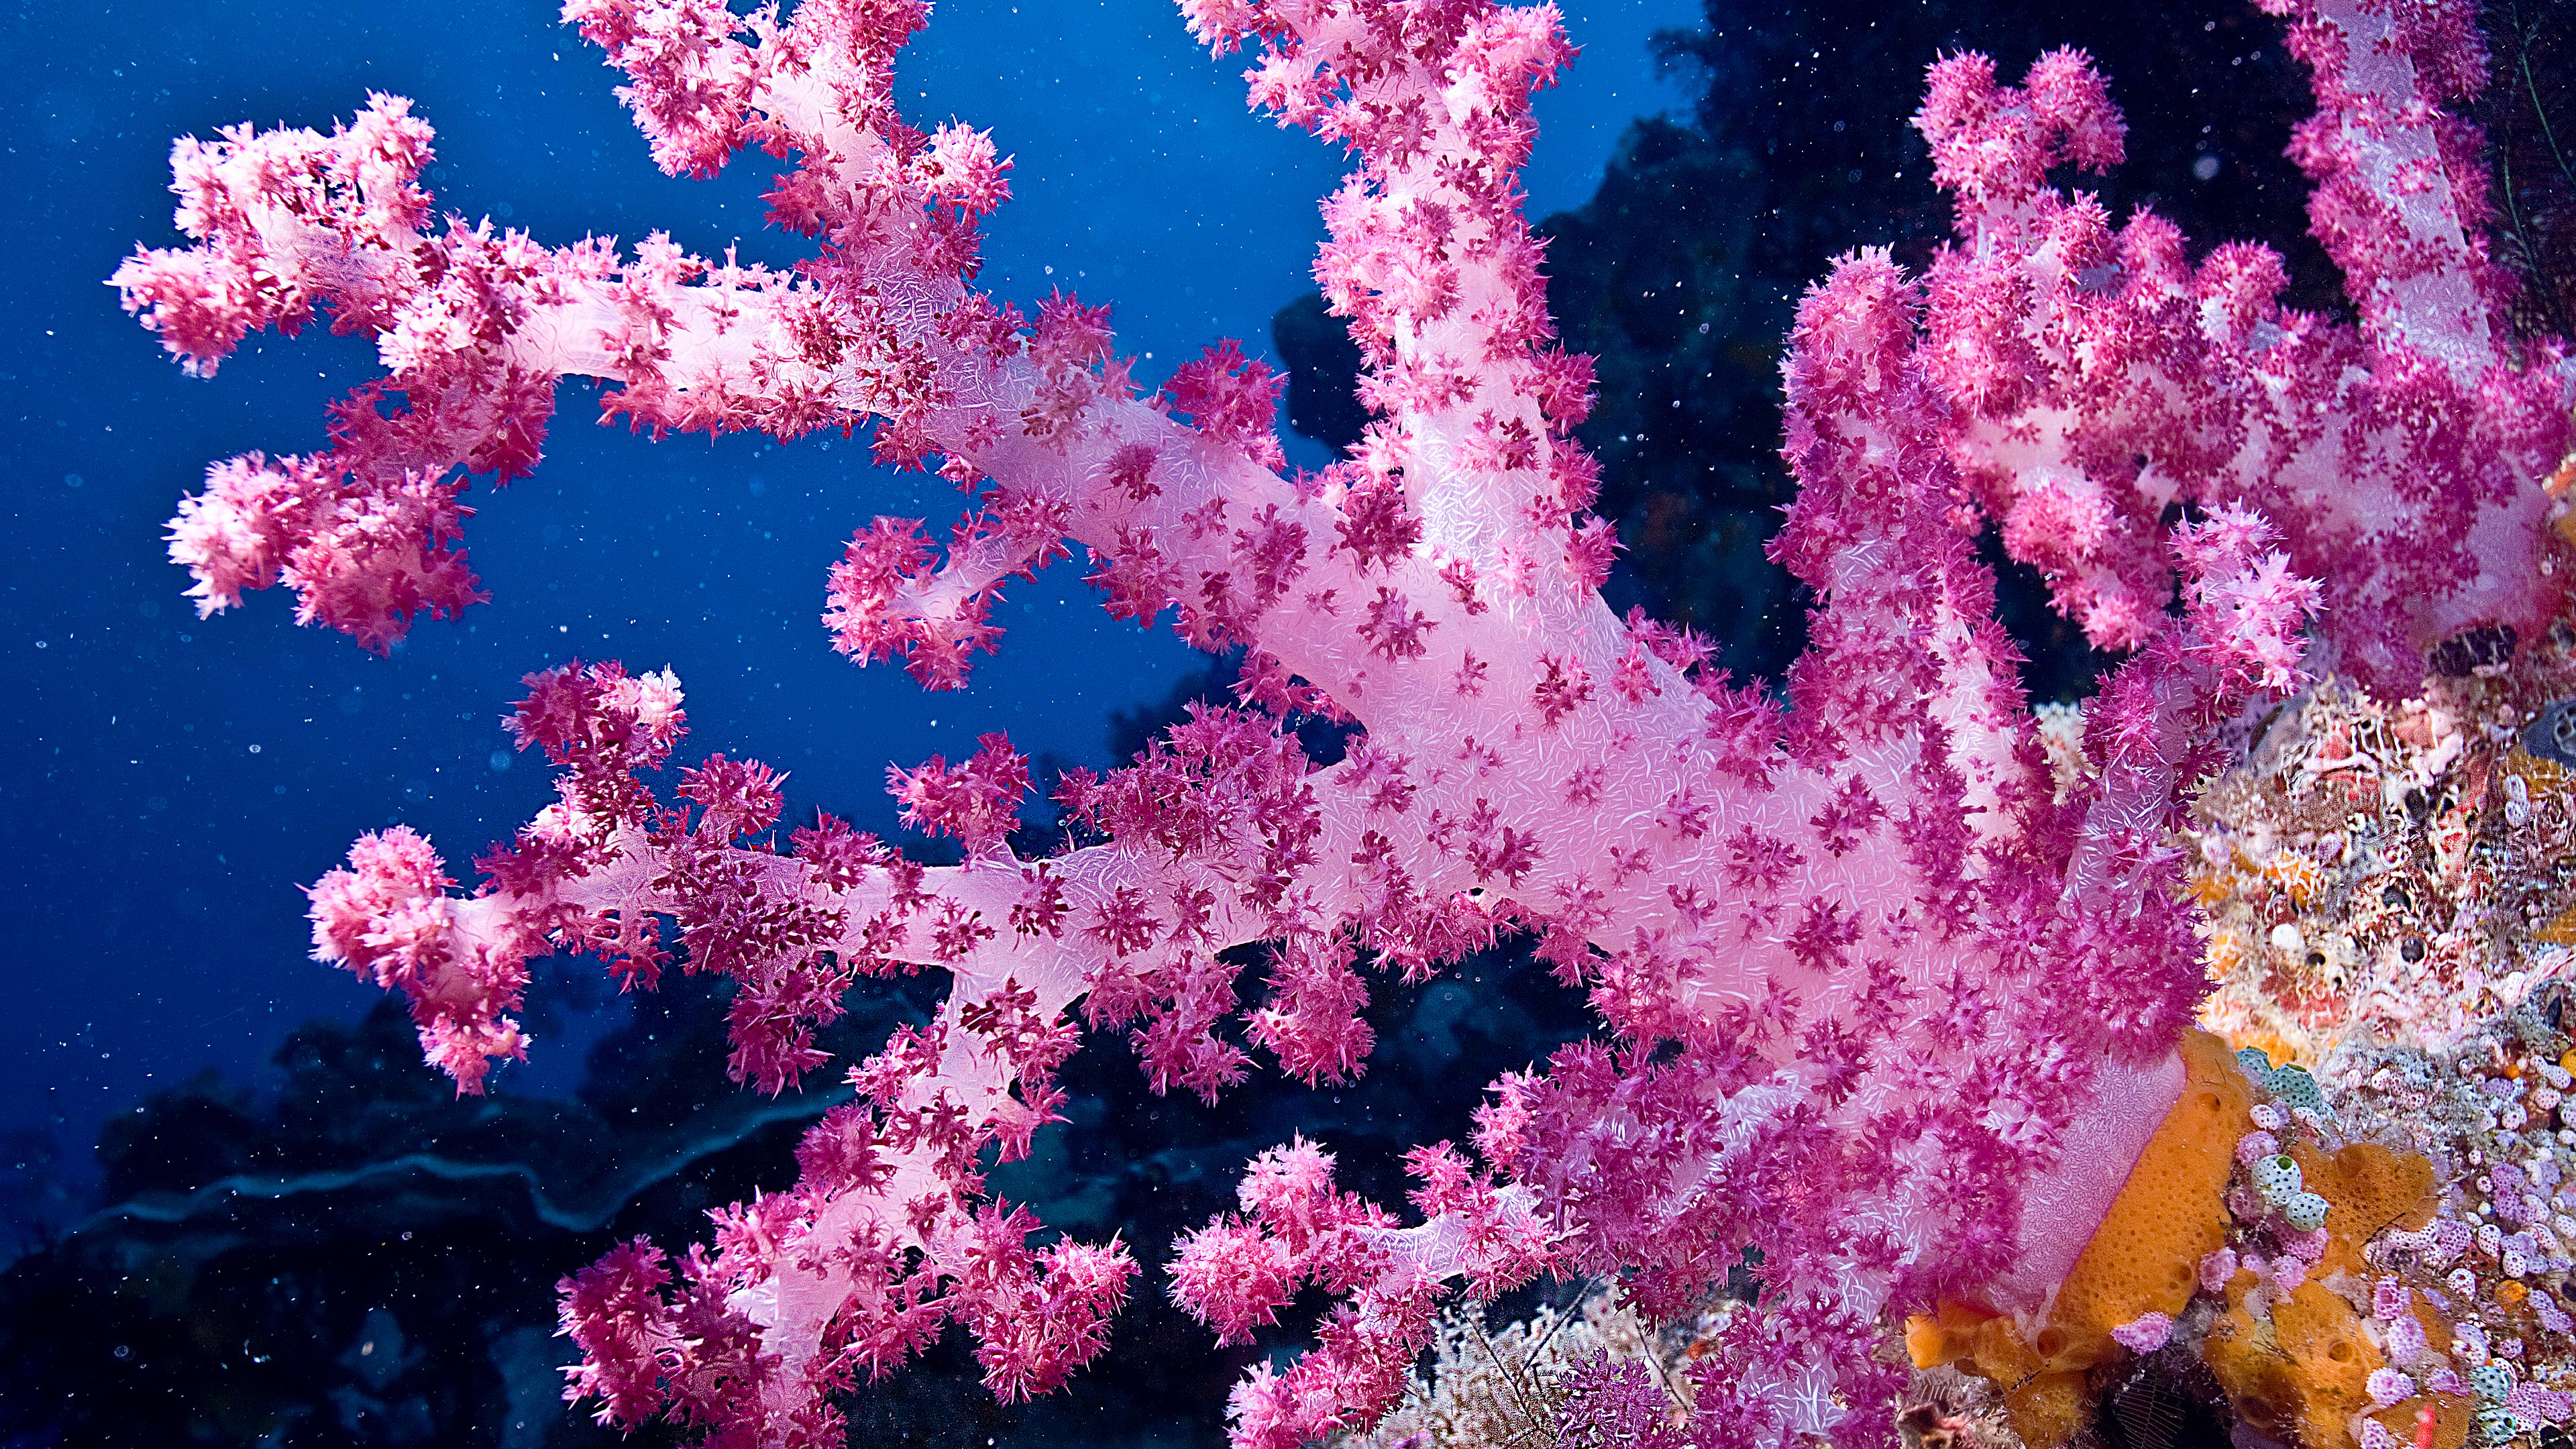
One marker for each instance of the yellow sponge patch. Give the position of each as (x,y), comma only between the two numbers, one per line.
(2298,1373)
(2368,1188)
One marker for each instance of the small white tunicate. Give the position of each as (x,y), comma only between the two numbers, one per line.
(2277,1178)
(2286,937)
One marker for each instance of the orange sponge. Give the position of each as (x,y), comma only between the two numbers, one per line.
(2453,1416)
(2145,1258)
(2171,1213)
(2300,1371)
(2301,1375)
(2369,1187)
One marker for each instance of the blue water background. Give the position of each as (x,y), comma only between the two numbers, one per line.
(168,782)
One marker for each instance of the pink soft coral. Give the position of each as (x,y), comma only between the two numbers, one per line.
(1878,1004)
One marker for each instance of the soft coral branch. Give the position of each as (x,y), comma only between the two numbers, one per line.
(2105,379)
(1296,1228)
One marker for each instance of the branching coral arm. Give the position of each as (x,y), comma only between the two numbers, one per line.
(2103,378)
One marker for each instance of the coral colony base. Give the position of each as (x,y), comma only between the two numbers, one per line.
(1896,982)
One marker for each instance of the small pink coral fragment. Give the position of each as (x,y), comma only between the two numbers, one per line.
(2533,1406)
(2389,1298)
(2146,1333)
(2552,1317)
(2405,1344)
(2307,1247)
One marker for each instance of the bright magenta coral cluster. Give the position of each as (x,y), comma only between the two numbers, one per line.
(1880,1001)
(2101,378)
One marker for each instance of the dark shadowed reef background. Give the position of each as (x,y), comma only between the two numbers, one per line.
(336,1251)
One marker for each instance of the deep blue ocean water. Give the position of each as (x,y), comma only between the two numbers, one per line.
(169,782)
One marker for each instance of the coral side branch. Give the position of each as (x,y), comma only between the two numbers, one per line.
(2103,379)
